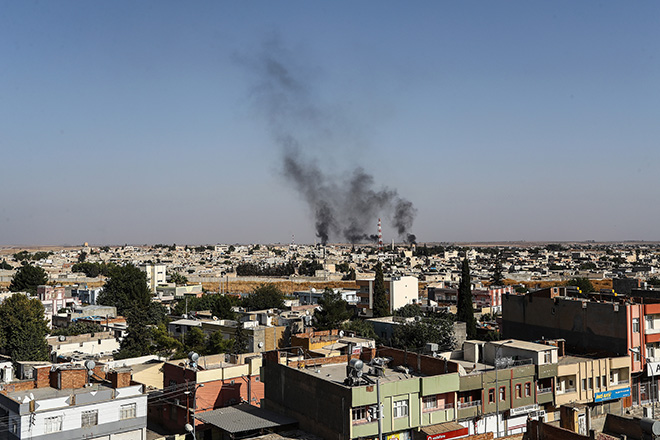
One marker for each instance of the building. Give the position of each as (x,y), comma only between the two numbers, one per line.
(399,291)
(336,400)
(384,328)
(54,299)
(209,382)
(156,275)
(61,402)
(312,296)
(330,342)
(490,298)
(85,346)
(611,324)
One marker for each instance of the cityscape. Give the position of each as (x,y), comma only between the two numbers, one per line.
(339,220)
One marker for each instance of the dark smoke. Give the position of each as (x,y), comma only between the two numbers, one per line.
(343,205)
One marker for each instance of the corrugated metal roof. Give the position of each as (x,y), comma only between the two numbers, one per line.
(244,417)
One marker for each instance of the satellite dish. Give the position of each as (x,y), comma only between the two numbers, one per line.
(313,290)
(193,356)
(188,427)
(61,338)
(261,345)
(90,364)
(341,333)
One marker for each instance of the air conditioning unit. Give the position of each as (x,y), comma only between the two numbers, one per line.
(584,304)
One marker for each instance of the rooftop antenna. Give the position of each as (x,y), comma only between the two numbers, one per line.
(380,236)
(90,365)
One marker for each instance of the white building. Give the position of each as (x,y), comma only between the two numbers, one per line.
(155,275)
(76,410)
(400,291)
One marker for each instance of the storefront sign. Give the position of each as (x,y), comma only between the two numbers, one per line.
(523,410)
(653,368)
(604,396)
(451,434)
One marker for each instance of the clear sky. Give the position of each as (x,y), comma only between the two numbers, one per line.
(144,122)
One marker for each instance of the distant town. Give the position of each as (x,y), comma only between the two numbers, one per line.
(336,341)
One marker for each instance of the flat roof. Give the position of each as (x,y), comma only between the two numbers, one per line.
(50,393)
(337,373)
(243,418)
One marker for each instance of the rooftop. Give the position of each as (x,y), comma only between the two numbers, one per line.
(337,373)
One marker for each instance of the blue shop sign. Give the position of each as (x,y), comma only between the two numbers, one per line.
(610,395)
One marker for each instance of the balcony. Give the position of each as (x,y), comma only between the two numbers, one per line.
(544,395)
(469,410)
(567,391)
(544,390)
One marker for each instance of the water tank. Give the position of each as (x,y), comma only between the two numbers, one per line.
(650,426)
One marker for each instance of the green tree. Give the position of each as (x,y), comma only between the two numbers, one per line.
(409,311)
(195,340)
(136,343)
(497,278)
(216,343)
(415,335)
(162,343)
(127,290)
(77,328)
(582,283)
(240,340)
(465,312)
(5,266)
(82,256)
(27,279)
(361,328)
(23,329)
(381,304)
(266,296)
(333,311)
(178,279)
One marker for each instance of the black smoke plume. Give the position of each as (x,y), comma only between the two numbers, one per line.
(343,204)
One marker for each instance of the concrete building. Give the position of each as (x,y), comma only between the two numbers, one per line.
(312,296)
(416,392)
(61,402)
(191,388)
(156,275)
(85,346)
(399,290)
(490,298)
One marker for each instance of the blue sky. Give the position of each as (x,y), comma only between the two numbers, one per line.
(137,122)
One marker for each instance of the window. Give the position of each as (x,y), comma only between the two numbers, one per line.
(89,418)
(636,354)
(570,382)
(127,411)
(649,322)
(53,424)
(430,402)
(528,389)
(584,384)
(603,381)
(502,394)
(597,381)
(547,357)
(591,383)
(518,391)
(491,395)
(635,325)
(400,408)
(359,413)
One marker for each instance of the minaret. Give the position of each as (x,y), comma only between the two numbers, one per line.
(380,236)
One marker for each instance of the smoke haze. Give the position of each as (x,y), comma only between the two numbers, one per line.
(345,205)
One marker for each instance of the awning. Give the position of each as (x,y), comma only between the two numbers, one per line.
(244,418)
(443,431)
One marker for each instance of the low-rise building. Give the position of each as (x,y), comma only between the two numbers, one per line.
(400,291)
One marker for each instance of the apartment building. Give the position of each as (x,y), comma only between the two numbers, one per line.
(156,275)
(61,402)
(333,398)
(399,290)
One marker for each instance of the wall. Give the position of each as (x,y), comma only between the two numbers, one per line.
(594,328)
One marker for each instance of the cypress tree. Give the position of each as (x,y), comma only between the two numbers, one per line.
(381,304)
(464,310)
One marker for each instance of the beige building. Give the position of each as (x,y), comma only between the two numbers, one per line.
(400,291)
(589,380)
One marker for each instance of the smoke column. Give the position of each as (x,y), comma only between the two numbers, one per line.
(344,205)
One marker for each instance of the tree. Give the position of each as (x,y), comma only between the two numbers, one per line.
(28,278)
(333,312)
(178,279)
(23,329)
(415,335)
(136,343)
(465,312)
(164,344)
(582,283)
(381,304)
(240,340)
(361,328)
(216,343)
(409,311)
(77,328)
(5,266)
(497,278)
(266,296)
(82,256)
(195,340)
(127,290)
